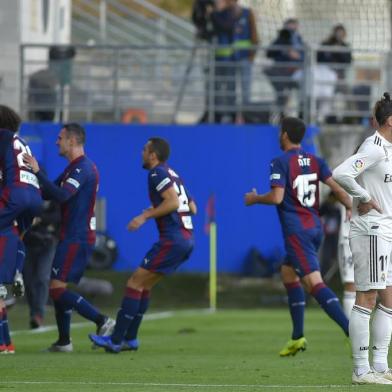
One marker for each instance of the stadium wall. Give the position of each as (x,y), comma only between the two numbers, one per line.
(223,160)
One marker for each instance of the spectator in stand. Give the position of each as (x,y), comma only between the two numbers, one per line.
(233,28)
(237,37)
(287,51)
(338,60)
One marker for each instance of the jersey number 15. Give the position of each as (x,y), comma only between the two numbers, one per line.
(306,192)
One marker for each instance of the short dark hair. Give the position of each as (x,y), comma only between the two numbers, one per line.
(383,109)
(76,130)
(161,148)
(295,129)
(9,119)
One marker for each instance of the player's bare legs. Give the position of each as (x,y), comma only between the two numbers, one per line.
(296,302)
(143,279)
(64,302)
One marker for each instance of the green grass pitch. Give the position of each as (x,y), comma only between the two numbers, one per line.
(230,350)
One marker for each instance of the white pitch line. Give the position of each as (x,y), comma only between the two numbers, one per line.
(151,384)
(147,317)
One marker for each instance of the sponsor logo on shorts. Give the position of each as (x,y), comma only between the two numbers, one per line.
(275,176)
(359,164)
(55,270)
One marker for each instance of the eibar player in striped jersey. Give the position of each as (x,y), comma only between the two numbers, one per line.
(367,176)
(294,180)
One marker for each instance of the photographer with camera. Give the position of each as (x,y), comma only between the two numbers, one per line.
(232,29)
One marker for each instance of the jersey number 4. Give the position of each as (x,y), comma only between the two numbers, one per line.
(306,192)
(184,205)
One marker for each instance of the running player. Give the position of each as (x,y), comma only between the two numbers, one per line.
(20,201)
(367,176)
(294,178)
(172,208)
(75,189)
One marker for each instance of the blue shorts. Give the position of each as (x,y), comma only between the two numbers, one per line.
(70,260)
(10,258)
(167,255)
(21,204)
(302,251)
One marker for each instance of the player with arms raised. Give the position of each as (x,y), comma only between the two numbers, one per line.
(172,208)
(294,178)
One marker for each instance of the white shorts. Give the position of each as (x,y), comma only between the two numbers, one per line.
(346,264)
(372,269)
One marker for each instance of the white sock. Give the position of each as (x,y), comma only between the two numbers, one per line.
(381,334)
(359,336)
(348,302)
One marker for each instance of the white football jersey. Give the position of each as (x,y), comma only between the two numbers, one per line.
(368,175)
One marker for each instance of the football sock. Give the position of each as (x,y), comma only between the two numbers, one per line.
(331,305)
(133,329)
(296,301)
(71,300)
(63,320)
(381,333)
(1,328)
(20,256)
(359,336)
(348,302)
(6,331)
(129,308)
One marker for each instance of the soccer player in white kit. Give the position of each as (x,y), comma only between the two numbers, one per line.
(346,264)
(367,176)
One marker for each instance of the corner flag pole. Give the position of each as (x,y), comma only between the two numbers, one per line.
(213,272)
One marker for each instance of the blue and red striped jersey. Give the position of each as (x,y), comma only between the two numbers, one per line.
(76,190)
(299,173)
(14,171)
(160,178)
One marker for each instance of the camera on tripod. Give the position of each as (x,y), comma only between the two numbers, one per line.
(201,17)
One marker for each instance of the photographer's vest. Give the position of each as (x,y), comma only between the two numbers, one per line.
(239,44)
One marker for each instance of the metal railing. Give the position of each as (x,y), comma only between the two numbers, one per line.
(183,84)
(117,22)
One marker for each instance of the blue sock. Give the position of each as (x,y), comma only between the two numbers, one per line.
(20,256)
(296,299)
(1,329)
(63,320)
(71,300)
(331,305)
(6,330)
(129,308)
(135,324)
